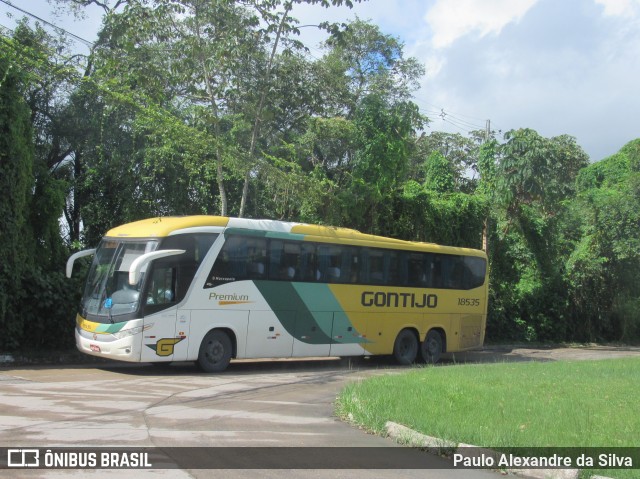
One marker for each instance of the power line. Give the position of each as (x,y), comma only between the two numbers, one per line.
(446,115)
(455,113)
(83,40)
(455,119)
(464,122)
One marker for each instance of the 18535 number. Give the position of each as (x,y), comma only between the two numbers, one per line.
(468,302)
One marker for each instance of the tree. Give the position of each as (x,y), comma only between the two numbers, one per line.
(528,180)
(439,174)
(364,62)
(16,182)
(30,245)
(460,152)
(48,76)
(533,170)
(602,266)
(363,135)
(225,57)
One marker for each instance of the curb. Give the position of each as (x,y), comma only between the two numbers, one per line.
(406,436)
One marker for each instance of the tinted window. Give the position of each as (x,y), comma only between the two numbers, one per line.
(335,263)
(476,271)
(285,261)
(416,269)
(171,277)
(162,289)
(245,258)
(241,258)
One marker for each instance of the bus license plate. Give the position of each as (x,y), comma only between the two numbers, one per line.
(95,348)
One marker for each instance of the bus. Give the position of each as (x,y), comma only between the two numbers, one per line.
(210,289)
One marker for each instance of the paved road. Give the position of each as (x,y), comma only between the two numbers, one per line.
(550,353)
(271,403)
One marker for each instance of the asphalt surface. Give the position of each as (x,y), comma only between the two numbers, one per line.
(284,403)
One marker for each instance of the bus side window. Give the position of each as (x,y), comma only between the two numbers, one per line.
(275,259)
(434,270)
(308,262)
(284,259)
(186,264)
(365,266)
(348,261)
(330,264)
(444,275)
(403,268)
(291,260)
(354,268)
(391,271)
(236,257)
(323,263)
(161,292)
(256,258)
(221,272)
(457,272)
(376,267)
(476,270)
(416,270)
(240,258)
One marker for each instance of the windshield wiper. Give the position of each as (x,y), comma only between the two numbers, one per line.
(109,310)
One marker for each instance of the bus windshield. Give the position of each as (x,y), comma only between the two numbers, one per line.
(108,296)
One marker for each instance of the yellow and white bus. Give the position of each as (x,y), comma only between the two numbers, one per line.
(210,288)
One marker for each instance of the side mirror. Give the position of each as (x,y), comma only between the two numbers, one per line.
(141,261)
(72,259)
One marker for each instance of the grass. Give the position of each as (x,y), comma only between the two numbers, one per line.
(508,405)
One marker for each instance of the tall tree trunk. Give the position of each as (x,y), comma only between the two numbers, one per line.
(224,203)
(258,119)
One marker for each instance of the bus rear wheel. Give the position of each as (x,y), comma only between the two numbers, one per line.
(431,348)
(215,352)
(405,348)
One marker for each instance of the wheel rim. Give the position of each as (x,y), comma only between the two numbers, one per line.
(433,347)
(406,347)
(215,352)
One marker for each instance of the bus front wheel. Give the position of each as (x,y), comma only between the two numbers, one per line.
(215,352)
(432,347)
(405,348)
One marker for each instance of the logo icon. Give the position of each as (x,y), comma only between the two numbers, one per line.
(23,458)
(164,347)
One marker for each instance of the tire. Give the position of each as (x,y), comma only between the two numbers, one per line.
(215,352)
(405,348)
(432,347)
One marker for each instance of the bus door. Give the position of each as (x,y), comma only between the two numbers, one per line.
(160,338)
(168,328)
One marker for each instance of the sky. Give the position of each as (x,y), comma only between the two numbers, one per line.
(557,66)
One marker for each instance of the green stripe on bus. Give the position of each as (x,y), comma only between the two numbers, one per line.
(110,328)
(320,297)
(309,312)
(283,299)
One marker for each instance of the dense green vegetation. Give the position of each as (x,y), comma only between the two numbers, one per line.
(192,106)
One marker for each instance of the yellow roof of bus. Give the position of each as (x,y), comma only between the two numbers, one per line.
(164,226)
